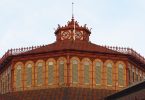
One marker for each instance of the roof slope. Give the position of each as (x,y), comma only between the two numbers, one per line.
(59,94)
(137,88)
(72,45)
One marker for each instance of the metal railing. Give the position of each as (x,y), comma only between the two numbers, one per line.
(118,49)
(17,51)
(127,51)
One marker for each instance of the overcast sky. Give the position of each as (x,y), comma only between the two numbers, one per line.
(31,22)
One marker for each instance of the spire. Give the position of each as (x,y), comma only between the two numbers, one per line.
(73,20)
(72,10)
(72,31)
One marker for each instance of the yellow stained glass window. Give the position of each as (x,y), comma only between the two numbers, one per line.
(136,76)
(86,72)
(74,71)
(29,75)
(0,85)
(133,75)
(129,76)
(98,72)
(50,72)
(140,78)
(18,76)
(61,72)
(109,74)
(39,73)
(120,75)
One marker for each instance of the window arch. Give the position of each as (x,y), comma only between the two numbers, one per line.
(1,85)
(140,77)
(4,83)
(129,75)
(39,72)
(2,80)
(61,71)
(137,75)
(50,72)
(120,74)
(133,74)
(74,71)
(29,75)
(98,69)
(143,75)
(86,72)
(18,77)
(109,74)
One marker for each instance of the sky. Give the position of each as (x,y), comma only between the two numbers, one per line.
(25,23)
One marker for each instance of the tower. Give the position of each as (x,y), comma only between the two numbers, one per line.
(72,32)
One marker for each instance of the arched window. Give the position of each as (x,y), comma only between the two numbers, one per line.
(133,75)
(98,72)
(50,72)
(120,75)
(86,72)
(61,72)
(140,75)
(3,84)
(39,73)
(136,76)
(140,78)
(74,71)
(8,81)
(18,77)
(29,75)
(0,84)
(109,74)
(144,77)
(129,76)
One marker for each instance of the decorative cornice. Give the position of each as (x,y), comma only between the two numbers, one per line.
(71,24)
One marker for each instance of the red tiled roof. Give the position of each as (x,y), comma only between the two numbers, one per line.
(59,94)
(72,45)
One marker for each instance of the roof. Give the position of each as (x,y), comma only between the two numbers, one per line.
(72,45)
(127,91)
(58,94)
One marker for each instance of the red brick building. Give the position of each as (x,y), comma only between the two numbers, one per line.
(71,68)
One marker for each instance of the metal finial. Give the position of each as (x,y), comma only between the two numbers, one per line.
(72,10)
